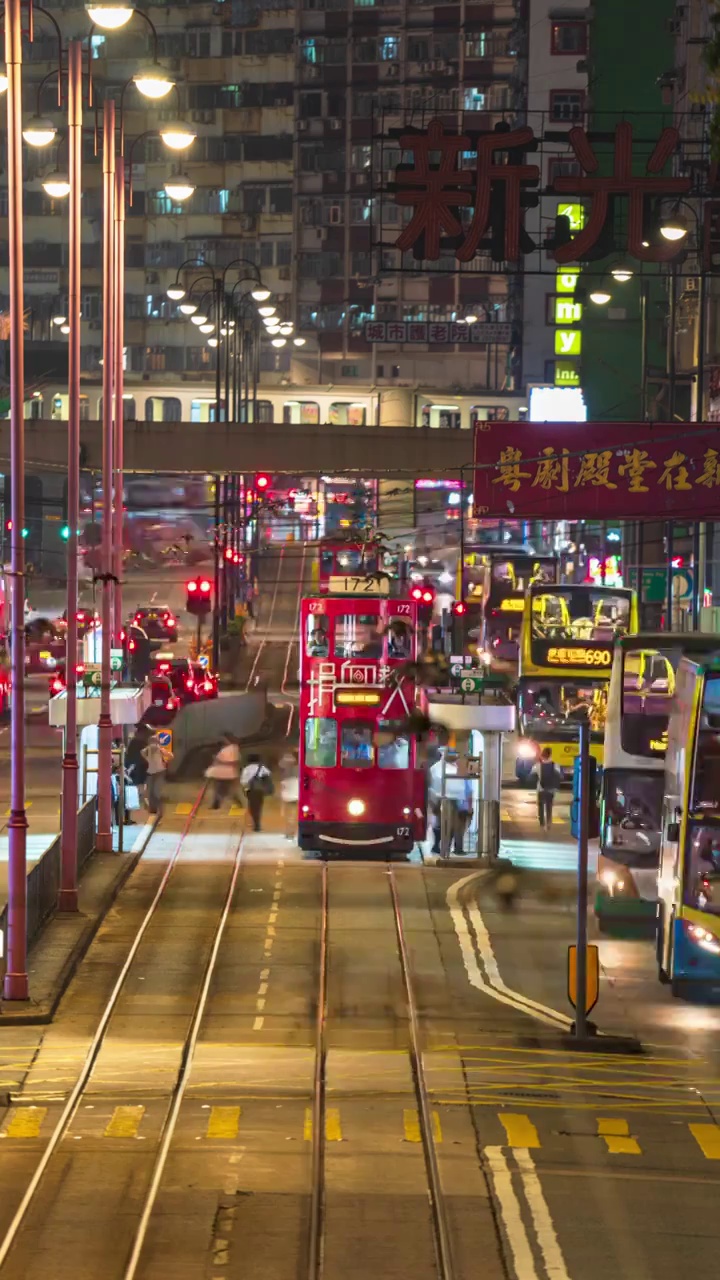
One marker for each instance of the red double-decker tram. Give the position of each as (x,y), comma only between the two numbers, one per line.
(361,790)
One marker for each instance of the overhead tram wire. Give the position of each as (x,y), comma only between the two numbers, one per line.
(315,1247)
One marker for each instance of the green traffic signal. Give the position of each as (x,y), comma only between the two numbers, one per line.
(65,532)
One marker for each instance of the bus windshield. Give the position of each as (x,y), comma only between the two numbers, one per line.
(706,778)
(632,812)
(580,614)
(702,868)
(514,574)
(648,685)
(558,708)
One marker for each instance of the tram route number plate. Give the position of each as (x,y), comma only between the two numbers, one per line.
(359,586)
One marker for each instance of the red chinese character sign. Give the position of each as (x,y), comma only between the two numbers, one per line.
(591,471)
(439,187)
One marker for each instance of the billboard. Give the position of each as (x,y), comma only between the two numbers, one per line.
(597,471)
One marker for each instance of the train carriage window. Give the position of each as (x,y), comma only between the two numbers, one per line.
(442,416)
(320,742)
(394,755)
(303,412)
(342,413)
(399,638)
(318,636)
(358,635)
(163,409)
(356,745)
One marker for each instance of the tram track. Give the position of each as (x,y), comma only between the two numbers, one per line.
(21,1225)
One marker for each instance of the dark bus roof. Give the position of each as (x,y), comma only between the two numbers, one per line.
(689,641)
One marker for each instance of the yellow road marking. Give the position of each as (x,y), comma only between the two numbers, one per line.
(521,1131)
(707,1137)
(28,805)
(125,1122)
(236,811)
(224,1122)
(411,1126)
(183,809)
(333,1130)
(26,1122)
(617,1138)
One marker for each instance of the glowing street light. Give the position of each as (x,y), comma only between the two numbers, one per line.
(176,293)
(179,188)
(109,17)
(57,186)
(261,294)
(39,132)
(154,81)
(178,136)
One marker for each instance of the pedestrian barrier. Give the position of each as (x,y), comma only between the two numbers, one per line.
(43,881)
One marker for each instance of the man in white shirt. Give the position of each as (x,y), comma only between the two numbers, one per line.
(257,783)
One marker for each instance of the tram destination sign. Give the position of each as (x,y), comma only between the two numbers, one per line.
(598,470)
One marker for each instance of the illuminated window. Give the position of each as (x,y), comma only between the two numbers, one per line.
(320,742)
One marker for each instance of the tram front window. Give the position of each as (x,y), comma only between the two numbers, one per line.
(399,639)
(356,746)
(358,635)
(394,754)
(579,613)
(318,637)
(560,708)
(702,884)
(320,742)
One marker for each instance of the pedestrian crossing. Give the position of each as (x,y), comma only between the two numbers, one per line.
(614,1136)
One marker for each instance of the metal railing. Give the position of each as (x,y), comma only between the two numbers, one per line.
(43,881)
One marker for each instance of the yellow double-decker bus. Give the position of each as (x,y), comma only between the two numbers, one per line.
(566,652)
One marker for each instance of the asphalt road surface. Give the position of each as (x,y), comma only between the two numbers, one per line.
(191,1147)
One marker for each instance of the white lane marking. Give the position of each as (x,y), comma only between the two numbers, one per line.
(491,982)
(543,1223)
(258,1024)
(511,1215)
(143,834)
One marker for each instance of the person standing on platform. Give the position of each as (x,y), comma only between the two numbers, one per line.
(157,758)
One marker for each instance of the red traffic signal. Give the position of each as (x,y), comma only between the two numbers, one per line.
(229,553)
(416,593)
(459,608)
(262,482)
(197,596)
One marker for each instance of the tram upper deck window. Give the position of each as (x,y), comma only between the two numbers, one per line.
(301,412)
(399,638)
(318,636)
(327,562)
(356,745)
(320,742)
(349,561)
(358,635)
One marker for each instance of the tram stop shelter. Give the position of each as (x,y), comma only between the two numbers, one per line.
(477,729)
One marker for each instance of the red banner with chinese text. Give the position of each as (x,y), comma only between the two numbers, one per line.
(597,470)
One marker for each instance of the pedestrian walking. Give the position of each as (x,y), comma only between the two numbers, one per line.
(136,766)
(257,783)
(224,770)
(157,758)
(289,792)
(549,779)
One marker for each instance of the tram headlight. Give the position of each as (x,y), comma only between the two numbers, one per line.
(527,750)
(406,812)
(356,807)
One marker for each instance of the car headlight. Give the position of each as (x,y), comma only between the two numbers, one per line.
(527,750)
(356,807)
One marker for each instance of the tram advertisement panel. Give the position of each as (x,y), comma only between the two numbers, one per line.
(581,471)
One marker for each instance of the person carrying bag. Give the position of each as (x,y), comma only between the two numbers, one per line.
(223,772)
(257,783)
(549,779)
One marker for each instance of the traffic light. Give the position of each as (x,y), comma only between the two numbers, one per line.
(65,532)
(425,598)
(457,626)
(9,525)
(262,483)
(198,596)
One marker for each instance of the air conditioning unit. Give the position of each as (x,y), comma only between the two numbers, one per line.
(284,273)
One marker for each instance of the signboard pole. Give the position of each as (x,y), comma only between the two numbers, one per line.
(669,575)
(582,889)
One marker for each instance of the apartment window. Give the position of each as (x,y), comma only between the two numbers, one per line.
(360,263)
(389,48)
(559,167)
(281,199)
(418,49)
(474,99)
(274,40)
(253,199)
(566,105)
(476,44)
(568,37)
(359,210)
(310,105)
(310,51)
(351,371)
(365,50)
(360,158)
(197,359)
(198,43)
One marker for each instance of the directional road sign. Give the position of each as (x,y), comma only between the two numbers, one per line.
(164,737)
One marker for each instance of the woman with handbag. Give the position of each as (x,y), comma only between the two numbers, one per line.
(257,783)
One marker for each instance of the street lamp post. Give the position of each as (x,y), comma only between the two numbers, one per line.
(103,840)
(16,978)
(118,376)
(69,803)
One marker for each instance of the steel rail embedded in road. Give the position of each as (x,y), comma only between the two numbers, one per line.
(183,1077)
(441,1232)
(96,1044)
(268,625)
(317,1191)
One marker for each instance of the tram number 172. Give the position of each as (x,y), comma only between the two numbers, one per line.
(372,585)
